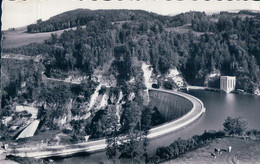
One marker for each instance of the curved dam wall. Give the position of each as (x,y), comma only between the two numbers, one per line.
(170,106)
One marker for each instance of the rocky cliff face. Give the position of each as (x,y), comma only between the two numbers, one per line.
(109,92)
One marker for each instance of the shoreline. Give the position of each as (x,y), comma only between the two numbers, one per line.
(244,151)
(216,90)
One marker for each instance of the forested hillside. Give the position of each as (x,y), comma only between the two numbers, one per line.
(81,17)
(229,45)
(106,53)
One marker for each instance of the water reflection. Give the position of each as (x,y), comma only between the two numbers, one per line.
(229,98)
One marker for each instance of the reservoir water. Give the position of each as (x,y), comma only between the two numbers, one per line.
(218,107)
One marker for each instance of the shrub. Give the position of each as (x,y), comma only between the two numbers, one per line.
(169,84)
(253,133)
(181,146)
(233,126)
(163,153)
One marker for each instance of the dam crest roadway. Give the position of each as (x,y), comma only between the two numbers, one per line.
(196,110)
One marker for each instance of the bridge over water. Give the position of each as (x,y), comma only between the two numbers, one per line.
(179,109)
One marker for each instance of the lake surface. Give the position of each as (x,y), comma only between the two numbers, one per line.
(218,107)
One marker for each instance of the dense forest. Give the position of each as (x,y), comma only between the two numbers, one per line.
(81,17)
(225,42)
(116,41)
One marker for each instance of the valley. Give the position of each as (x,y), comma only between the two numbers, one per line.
(84,75)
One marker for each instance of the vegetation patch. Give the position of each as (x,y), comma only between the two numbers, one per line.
(236,127)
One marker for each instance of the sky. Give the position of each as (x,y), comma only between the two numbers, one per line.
(17,13)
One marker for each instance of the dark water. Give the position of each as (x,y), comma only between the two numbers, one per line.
(218,107)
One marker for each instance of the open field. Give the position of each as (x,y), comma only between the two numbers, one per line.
(243,151)
(184,29)
(19,37)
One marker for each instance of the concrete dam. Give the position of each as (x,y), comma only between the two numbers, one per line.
(171,106)
(179,110)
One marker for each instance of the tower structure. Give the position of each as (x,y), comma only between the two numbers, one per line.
(227,83)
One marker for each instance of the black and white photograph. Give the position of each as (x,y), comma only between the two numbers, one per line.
(130,82)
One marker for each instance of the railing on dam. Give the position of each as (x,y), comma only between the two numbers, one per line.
(193,108)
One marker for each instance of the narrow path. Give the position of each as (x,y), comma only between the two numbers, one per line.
(21,57)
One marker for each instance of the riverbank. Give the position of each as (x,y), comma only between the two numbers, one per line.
(243,151)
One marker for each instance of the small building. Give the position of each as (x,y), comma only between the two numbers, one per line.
(227,83)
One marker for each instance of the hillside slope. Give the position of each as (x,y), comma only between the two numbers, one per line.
(95,76)
(20,37)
